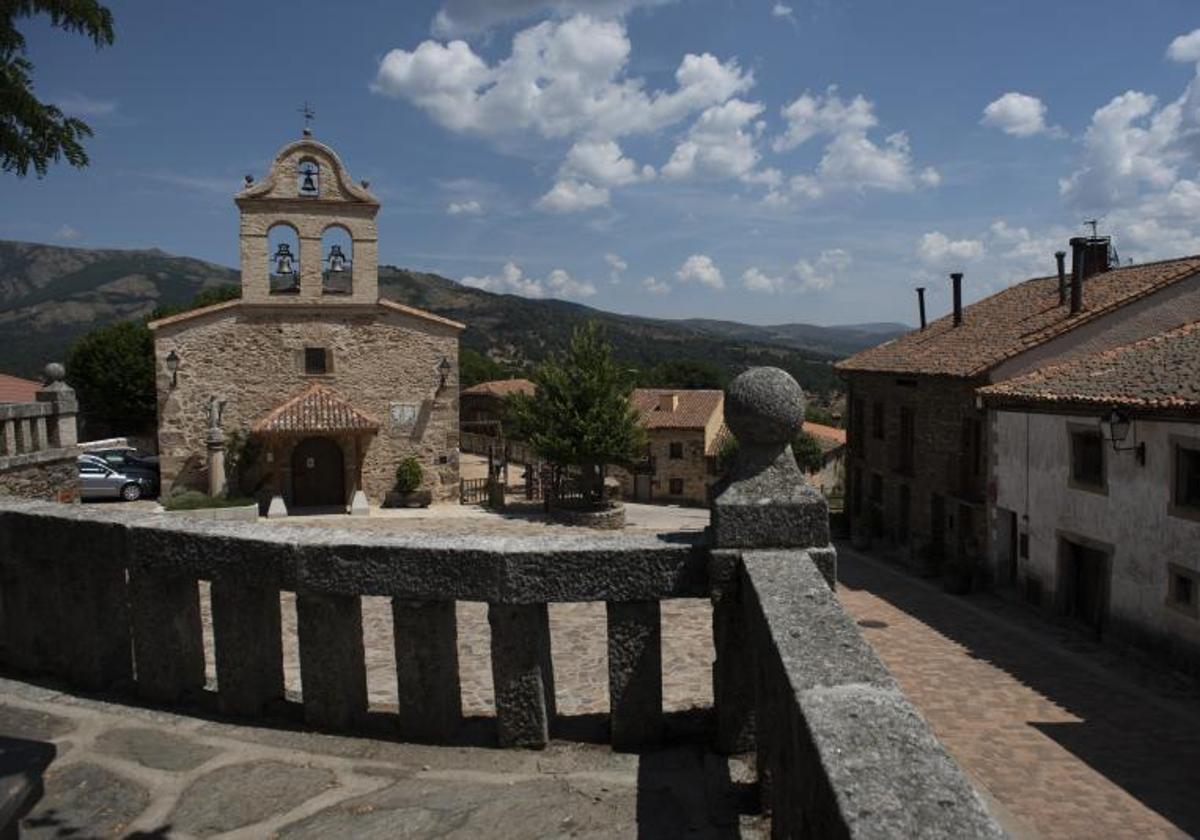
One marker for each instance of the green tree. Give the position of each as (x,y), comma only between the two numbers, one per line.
(809,456)
(34,133)
(111,369)
(474,367)
(824,416)
(683,373)
(580,414)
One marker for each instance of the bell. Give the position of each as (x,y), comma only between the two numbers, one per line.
(308,185)
(337,260)
(283,259)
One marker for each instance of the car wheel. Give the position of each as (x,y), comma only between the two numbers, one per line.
(131,492)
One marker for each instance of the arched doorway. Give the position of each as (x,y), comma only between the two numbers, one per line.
(318,473)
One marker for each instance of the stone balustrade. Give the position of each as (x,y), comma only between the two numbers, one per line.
(38,443)
(109,600)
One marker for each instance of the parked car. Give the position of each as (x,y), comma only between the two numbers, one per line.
(99,480)
(126,456)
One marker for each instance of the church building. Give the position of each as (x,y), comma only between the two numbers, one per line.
(329,385)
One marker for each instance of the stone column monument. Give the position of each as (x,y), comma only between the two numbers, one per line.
(214,440)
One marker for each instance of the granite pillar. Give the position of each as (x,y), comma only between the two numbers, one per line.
(248,638)
(635,673)
(333,673)
(429,695)
(168,644)
(523,673)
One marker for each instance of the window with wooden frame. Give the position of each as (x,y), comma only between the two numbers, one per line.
(1087,459)
(316,361)
(676,450)
(1183,590)
(1185,477)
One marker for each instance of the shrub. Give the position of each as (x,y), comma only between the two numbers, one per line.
(408,475)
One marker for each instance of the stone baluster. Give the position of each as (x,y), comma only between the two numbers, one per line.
(523,673)
(635,673)
(168,642)
(8,445)
(41,440)
(429,695)
(247,635)
(766,504)
(333,675)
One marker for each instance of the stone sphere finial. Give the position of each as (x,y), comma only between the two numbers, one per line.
(55,372)
(764,406)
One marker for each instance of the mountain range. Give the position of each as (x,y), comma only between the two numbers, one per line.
(50,295)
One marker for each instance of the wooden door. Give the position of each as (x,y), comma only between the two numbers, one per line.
(318,473)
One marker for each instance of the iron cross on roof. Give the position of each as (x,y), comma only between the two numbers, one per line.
(309,115)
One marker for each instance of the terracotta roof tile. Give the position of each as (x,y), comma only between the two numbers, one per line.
(1014,320)
(501,388)
(13,389)
(693,407)
(317,409)
(828,437)
(1160,372)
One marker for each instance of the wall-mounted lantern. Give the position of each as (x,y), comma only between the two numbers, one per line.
(173,367)
(443,370)
(1116,426)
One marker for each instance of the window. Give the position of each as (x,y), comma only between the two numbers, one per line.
(907,441)
(316,360)
(971,447)
(676,486)
(1183,590)
(676,450)
(877,420)
(1087,460)
(1185,470)
(857,425)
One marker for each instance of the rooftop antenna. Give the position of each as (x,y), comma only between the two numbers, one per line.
(1093,223)
(309,115)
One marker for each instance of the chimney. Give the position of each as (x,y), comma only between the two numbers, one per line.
(668,402)
(921,304)
(956,279)
(1061,258)
(1089,255)
(1077,275)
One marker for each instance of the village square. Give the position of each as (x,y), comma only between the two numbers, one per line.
(319,544)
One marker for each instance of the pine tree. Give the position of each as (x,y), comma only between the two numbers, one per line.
(580,414)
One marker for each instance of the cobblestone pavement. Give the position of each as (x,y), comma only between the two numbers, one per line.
(1060,743)
(123,771)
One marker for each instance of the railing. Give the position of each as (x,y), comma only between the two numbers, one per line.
(38,443)
(109,599)
(472,491)
(516,452)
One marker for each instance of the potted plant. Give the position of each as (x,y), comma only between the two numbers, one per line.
(408,483)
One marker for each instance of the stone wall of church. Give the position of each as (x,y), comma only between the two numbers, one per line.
(385,363)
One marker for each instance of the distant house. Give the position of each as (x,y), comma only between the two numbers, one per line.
(831,475)
(1096,520)
(13,389)
(685,430)
(918,449)
(483,406)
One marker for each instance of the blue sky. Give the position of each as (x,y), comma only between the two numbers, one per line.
(764,161)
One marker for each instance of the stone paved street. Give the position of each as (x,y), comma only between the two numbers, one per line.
(1061,744)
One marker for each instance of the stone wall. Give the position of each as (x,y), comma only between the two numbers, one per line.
(253,357)
(939,406)
(52,476)
(38,443)
(692,468)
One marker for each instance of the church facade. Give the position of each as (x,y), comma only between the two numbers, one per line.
(327,385)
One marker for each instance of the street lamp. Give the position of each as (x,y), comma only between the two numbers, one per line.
(173,367)
(443,370)
(1116,426)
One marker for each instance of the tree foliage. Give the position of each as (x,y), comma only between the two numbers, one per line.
(111,369)
(580,414)
(474,367)
(683,373)
(34,133)
(808,452)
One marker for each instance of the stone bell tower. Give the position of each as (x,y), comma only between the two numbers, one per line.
(306,200)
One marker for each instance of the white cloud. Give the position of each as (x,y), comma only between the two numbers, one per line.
(562,78)
(718,144)
(1185,48)
(512,280)
(804,276)
(66,233)
(617,267)
(851,160)
(78,105)
(1018,114)
(602,162)
(572,197)
(699,268)
(781,10)
(654,286)
(458,18)
(464,208)
(937,249)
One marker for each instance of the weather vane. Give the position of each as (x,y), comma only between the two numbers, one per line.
(309,115)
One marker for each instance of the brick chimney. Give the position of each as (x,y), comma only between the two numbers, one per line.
(1089,255)
(668,402)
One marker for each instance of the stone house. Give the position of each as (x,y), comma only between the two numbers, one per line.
(1095,508)
(334,384)
(830,478)
(685,430)
(483,408)
(919,454)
